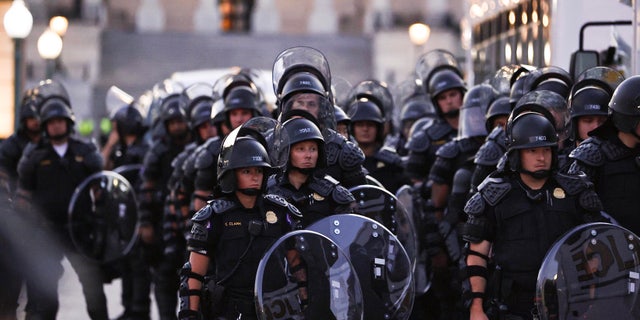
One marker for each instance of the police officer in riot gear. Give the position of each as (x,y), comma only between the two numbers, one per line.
(609,157)
(589,103)
(382,162)
(300,184)
(488,155)
(198,100)
(233,231)
(302,84)
(48,174)
(237,99)
(126,146)
(515,217)
(450,179)
(443,82)
(155,176)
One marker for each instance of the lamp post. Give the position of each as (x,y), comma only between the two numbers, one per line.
(49,48)
(59,25)
(18,22)
(419,35)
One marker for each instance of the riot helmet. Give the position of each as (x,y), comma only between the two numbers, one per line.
(530,130)
(624,106)
(55,107)
(499,107)
(604,77)
(341,116)
(554,79)
(259,142)
(546,103)
(302,82)
(194,95)
(521,86)
(415,108)
(301,129)
(47,89)
(445,80)
(587,101)
(28,110)
(128,121)
(434,61)
(366,110)
(474,109)
(200,114)
(507,75)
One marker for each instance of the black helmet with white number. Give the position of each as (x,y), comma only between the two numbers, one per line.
(301,129)
(530,130)
(259,142)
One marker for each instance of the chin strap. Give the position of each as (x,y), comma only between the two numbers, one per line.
(540,174)
(250,191)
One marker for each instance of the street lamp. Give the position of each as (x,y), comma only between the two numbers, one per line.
(49,48)
(59,25)
(18,22)
(419,35)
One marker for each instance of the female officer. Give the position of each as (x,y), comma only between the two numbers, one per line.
(315,196)
(233,231)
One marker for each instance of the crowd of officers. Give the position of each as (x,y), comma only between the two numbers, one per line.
(497,171)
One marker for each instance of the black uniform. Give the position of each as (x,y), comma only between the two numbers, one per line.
(386,167)
(344,160)
(224,230)
(317,198)
(613,168)
(423,145)
(522,224)
(51,180)
(488,156)
(136,280)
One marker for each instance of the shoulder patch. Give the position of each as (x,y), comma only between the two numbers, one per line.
(221,205)
(389,155)
(342,196)
(573,184)
(419,142)
(493,189)
(589,152)
(322,186)
(439,131)
(351,156)
(276,199)
(203,214)
(475,205)
(448,150)
(489,153)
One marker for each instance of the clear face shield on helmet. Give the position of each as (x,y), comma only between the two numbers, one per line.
(504,78)
(474,109)
(435,60)
(117,98)
(300,59)
(604,77)
(49,89)
(192,94)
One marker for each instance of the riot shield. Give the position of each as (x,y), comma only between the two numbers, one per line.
(103,217)
(380,260)
(422,270)
(117,98)
(305,275)
(381,205)
(131,172)
(592,272)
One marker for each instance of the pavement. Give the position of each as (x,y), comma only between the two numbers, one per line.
(72,305)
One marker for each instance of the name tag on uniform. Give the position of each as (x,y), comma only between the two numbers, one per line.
(233,224)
